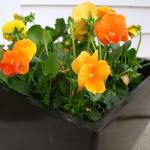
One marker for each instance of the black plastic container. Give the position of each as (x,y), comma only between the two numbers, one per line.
(24,126)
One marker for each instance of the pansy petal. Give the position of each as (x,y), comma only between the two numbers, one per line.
(103,10)
(95,86)
(124,37)
(79,27)
(82,11)
(10,26)
(111,28)
(84,74)
(133,31)
(24,49)
(80,37)
(10,70)
(84,57)
(95,56)
(79,33)
(101,70)
(23,69)
(7,57)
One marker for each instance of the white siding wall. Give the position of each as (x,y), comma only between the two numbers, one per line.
(136,12)
(7,9)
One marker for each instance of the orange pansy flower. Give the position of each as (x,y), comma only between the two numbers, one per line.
(83,58)
(91,72)
(111,29)
(103,10)
(17,60)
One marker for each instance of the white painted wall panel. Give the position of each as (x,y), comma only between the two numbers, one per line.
(7,9)
(46,15)
(135,11)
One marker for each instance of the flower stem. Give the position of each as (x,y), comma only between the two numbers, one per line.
(18,76)
(35,84)
(49,90)
(89,37)
(73,44)
(17,38)
(125,61)
(123,73)
(118,76)
(93,44)
(100,50)
(88,46)
(105,52)
(139,42)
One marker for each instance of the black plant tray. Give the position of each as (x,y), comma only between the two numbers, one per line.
(24,126)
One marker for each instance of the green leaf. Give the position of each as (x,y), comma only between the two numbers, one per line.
(53,33)
(36,59)
(126,46)
(57,102)
(95,97)
(35,34)
(51,65)
(94,114)
(69,60)
(115,46)
(121,93)
(46,99)
(43,82)
(119,69)
(114,56)
(22,87)
(1,47)
(63,87)
(46,38)
(60,26)
(60,50)
(131,54)
(110,99)
(10,46)
(3,77)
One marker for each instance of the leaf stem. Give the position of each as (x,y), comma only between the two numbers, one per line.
(46,49)
(146,65)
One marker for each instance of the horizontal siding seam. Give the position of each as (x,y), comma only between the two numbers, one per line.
(45,4)
(119,3)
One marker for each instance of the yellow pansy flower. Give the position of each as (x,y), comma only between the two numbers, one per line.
(79,12)
(133,30)
(9,28)
(82,11)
